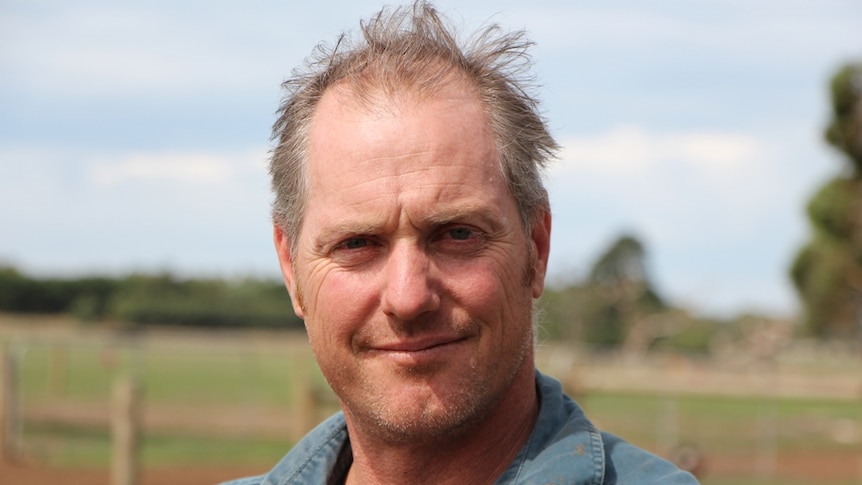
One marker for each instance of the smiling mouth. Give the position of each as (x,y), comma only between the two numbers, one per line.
(417,352)
(417,346)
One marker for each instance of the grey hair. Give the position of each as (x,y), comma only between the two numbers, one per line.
(413,49)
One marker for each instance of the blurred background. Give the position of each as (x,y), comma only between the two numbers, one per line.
(705,288)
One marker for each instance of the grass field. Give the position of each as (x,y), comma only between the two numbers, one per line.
(231,399)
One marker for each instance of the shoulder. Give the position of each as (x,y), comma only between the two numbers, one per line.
(310,461)
(626,463)
(565,448)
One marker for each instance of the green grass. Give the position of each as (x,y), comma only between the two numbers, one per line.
(83,447)
(724,424)
(187,377)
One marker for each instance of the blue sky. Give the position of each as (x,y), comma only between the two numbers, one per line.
(133,134)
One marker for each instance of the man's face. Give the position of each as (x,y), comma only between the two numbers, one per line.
(412,270)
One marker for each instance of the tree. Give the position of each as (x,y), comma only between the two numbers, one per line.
(827,272)
(623,294)
(615,298)
(845,130)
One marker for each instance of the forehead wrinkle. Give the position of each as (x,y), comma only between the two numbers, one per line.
(463,212)
(458,212)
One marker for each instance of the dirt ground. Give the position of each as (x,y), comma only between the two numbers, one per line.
(817,469)
(24,473)
(801,467)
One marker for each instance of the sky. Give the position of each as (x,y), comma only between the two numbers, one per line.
(134,134)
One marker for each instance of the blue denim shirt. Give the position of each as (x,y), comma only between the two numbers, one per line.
(564,448)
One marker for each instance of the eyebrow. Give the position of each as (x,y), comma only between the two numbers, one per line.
(452,214)
(335,232)
(461,212)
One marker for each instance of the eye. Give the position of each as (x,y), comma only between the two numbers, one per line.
(460,233)
(355,243)
(355,251)
(460,239)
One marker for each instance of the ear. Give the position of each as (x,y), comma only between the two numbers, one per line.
(541,241)
(282,249)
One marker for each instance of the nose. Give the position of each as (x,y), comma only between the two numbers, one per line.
(409,289)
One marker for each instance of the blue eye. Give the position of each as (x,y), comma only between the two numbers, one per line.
(460,233)
(356,243)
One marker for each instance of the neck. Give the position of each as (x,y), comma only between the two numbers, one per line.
(479,456)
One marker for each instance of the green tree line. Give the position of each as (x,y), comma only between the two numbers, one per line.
(614,306)
(141,299)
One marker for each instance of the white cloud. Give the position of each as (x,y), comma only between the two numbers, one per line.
(87,51)
(786,32)
(186,168)
(85,48)
(73,210)
(191,168)
(682,188)
(631,150)
(94,50)
(719,212)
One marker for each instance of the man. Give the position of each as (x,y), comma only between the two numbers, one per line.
(413,231)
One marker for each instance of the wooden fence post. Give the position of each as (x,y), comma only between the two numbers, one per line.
(126,409)
(9,418)
(59,369)
(304,398)
(667,434)
(766,455)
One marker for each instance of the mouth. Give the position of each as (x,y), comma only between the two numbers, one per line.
(417,345)
(419,351)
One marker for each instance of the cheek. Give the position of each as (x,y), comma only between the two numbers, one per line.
(337,303)
(494,290)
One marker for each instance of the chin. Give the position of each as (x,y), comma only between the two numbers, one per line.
(428,422)
(421,410)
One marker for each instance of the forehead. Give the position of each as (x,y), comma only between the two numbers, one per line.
(377,155)
(362,129)
(346,99)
